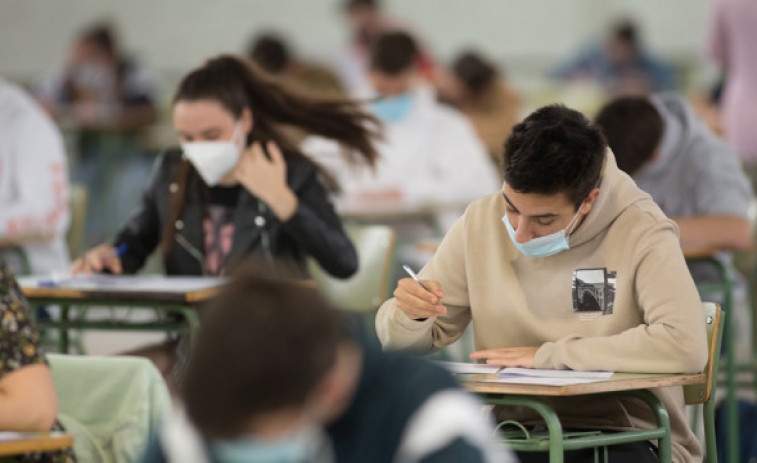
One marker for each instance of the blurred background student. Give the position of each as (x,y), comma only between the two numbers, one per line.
(367,20)
(621,65)
(33,183)
(733,39)
(477,88)
(104,98)
(319,394)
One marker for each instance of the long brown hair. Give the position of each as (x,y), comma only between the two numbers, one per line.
(238,85)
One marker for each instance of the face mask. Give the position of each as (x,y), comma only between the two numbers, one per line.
(213,159)
(394,108)
(297,448)
(543,246)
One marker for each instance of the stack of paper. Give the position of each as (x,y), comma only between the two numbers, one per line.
(548,377)
(469,368)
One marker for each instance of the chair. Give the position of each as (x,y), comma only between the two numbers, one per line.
(701,393)
(111,405)
(364,291)
(369,287)
(77,203)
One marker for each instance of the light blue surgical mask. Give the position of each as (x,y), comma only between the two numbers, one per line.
(393,109)
(547,245)
(296,448)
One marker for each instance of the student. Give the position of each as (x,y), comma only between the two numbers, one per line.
(514,266)
(237,187)
(367,21)
(621,65)
(33,180)
(430,153)
(317,395)
(691,174)
(103,97)
(476,87)
(272,53)
(27,393)
(732,41)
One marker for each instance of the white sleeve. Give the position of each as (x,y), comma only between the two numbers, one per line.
(38,168)
(462,170)
(445,417)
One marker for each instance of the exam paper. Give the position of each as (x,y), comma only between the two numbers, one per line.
(157,283)
(548,373)
(512,375)
(469,368)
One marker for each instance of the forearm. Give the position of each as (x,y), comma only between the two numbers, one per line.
(707,233)
(27,399)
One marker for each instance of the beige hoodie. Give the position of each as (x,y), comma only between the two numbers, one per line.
(654,323)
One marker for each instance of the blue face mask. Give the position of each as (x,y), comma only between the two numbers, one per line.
(544,246)
(393,109)
(298,448)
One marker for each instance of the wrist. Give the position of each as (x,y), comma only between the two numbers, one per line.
(283,203)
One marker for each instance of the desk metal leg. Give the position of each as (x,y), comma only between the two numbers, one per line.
(664,444)
(192,320)
(554,427)
(63,330)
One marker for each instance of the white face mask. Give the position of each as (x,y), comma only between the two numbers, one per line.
(214,159)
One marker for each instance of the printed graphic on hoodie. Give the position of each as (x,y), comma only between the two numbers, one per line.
(594,290)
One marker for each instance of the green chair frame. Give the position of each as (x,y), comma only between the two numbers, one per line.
(556,442)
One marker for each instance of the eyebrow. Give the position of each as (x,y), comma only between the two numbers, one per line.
(540,216)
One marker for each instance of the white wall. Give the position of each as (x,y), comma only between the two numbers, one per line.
(174,35)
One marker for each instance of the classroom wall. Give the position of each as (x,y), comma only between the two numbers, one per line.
(529,36)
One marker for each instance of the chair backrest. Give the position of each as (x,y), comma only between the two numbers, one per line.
(111,405)
(701,393)
(369,287)
(77,204)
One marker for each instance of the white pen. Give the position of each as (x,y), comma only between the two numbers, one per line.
(415,277)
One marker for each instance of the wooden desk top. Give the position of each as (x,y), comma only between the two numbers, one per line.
(12,241)
(35,442)
(128,288)
(618,382)
(122,288)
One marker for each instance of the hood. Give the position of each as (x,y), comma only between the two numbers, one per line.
(617,192)
(682,128)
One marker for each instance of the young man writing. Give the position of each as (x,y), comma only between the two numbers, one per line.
(570,266)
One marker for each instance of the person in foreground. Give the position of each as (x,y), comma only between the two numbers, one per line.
(27,393)
(570,266)
(275,377)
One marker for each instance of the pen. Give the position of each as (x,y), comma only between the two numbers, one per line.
(415,277)
(121,249)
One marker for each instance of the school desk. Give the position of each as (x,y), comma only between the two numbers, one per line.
(20,443)
(169,295)
(632,384)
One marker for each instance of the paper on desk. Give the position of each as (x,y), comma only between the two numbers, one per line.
(546,373)
(514,375)
(12,435)
(469,368)
(123,282)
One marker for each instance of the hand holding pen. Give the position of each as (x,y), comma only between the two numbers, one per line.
(419,299)
(104,257)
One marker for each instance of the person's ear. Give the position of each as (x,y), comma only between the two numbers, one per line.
(247,120)
(335,391)
(589,201)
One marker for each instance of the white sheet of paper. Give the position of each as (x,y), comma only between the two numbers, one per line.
(138,283)
(541,380)
(12,435)
(561,374)
(469,368)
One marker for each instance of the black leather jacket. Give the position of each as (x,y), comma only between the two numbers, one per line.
(313,230)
